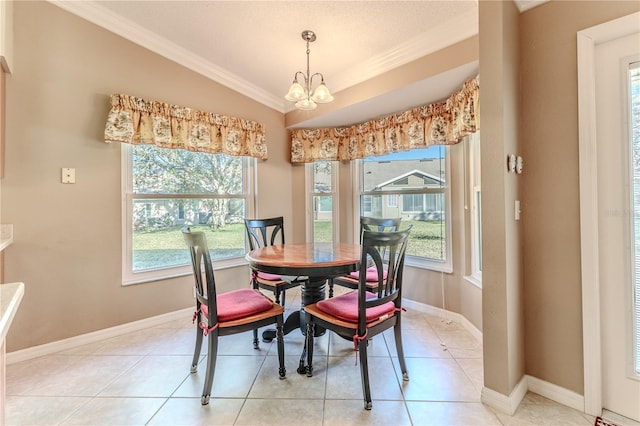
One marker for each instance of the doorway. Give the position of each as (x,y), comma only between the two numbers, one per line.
(606,57)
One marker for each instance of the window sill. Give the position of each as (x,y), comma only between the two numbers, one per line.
(474,280)
(183,271)
(432,266)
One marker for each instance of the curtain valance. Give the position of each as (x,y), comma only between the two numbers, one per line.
(137,121)
(441,123)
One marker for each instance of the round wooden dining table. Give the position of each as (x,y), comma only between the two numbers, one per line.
(310,263)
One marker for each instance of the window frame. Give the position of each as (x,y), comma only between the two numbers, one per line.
(445,266)
(129,277)
(473,192)
(311,193)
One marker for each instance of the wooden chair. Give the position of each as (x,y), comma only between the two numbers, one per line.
(368,224)
(226,313)
(261,233)
(362,314)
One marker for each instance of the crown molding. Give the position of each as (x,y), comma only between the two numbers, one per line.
(436,38)
(98,15)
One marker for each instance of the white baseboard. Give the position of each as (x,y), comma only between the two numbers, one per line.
(555,393)
(83,339)
(506,404)
(442,313)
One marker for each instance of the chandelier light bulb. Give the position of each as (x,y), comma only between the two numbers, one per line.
(306,105)
(296,92)
(322,95)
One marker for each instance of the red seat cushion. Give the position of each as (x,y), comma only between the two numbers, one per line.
(239,304)
(269,277)
(345,307)
(372,274)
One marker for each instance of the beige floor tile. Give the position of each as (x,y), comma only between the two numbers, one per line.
(474,369)
(451,414)
(434,379)
(257,412)
(189,411)
(537,410)
(233,377)
(295,386)
(344,379)
(417,344)
(115,411)
(144,377)
(153,376)
(40,410)
(350,412)
(66,375)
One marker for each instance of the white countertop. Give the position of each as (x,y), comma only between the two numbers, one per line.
(10,297)
(6,236)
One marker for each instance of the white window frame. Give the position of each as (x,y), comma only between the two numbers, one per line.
(128,276)
(309,183)
(445,266)
(473,167)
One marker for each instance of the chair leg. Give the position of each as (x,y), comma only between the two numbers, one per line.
(256,345)
(364,373)
(196,351)
(397,331)
(311,329)
(277,294)
(330,288)
(282,372)
(283,295)
(212,356)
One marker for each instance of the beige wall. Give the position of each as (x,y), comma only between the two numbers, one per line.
(551,234)
(67,238)
(502,279)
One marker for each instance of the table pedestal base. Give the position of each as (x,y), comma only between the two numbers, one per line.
(312,291)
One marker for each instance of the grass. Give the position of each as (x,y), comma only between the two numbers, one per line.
(166,247)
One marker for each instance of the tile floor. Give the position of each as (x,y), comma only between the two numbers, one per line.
(143,378)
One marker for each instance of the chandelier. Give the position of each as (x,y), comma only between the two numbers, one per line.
(303,96)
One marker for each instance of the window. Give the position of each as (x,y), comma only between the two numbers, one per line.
(412,185)
(322,201)
(166,189)
(634,108)
(474,200)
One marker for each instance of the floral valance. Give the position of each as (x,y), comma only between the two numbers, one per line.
(441,123)
(137,121)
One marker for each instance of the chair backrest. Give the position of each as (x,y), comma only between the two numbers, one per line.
(201,263)
(379,224)
(264,232)
(386,251)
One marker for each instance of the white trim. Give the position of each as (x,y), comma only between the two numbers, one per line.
(107,333)
(443,313)
(555,393)
(587,40)
(506,404)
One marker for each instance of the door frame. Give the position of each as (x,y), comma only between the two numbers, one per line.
(587,41)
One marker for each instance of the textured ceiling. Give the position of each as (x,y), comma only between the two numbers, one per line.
(255,47)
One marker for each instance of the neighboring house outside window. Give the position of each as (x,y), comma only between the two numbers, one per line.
(322,201)
(412,185)
(166,189)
